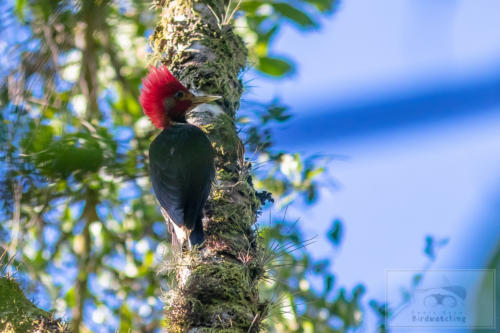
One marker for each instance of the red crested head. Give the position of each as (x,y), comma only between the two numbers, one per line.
(164,98)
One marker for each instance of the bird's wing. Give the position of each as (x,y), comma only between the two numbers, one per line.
(201,172)
(182,169)
(168,175)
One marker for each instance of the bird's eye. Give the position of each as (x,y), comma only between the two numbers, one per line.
(179,94)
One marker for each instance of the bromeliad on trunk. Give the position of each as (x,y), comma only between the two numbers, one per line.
(181,157)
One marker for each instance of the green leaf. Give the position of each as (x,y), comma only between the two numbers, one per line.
(250,6)
(335,232)
(266,36)
(19,9)
(329,280)
(430,247)
(323,5)
(277,113)
(294,14)
(274,66)
(70,298)
(41,138)
(311,174)
(126,315)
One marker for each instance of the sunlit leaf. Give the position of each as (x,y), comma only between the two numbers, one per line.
(323,5)
(274,66)
(294,14)
(250,6)
(19,8)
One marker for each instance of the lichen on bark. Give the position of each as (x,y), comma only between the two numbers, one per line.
(216,286)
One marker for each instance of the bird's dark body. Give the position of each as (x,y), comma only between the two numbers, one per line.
(182,170)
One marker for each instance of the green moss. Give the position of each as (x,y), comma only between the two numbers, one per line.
(216,294)
(226,279)
(18,314)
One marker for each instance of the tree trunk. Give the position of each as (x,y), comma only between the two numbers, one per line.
(216,287)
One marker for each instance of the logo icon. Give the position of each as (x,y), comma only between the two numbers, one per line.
(441,299)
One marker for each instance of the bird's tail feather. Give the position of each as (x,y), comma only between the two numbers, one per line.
(176,242)
(196,237)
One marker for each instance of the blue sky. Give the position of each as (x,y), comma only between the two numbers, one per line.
(406,92)
(371,48)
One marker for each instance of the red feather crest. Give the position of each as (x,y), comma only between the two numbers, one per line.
(156,86)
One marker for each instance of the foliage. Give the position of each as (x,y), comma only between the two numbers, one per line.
(75,142)
(78,213)
(261,20)
(306,298)
(284,174)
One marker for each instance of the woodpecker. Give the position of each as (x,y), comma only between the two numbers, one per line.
(181,159)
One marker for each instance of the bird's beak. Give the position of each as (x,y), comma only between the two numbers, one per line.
(197,100)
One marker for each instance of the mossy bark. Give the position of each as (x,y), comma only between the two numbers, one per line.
(216,289)
(19,315)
